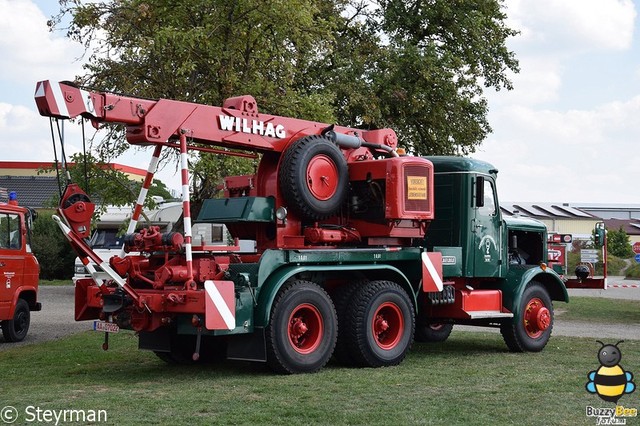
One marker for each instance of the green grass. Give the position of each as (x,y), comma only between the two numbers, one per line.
(55,282)
(599,309)
(469,380)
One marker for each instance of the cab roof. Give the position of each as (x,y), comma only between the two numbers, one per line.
(461,164)
(12,208)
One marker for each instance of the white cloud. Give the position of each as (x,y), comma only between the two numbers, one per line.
(28,51)
(29,135)
(574,25)
(584,155)
(539,81)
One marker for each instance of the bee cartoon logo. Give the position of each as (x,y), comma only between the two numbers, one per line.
(610,381)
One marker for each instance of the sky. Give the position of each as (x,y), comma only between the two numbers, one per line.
(568,132)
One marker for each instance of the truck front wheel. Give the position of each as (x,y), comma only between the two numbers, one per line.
(303,329)
(531,329)
(381,324)
(15,330)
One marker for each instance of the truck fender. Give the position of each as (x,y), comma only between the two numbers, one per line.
(28,293)
(278,278)
(547,277)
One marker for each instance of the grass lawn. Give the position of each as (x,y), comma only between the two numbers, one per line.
(599,309)
(470,379)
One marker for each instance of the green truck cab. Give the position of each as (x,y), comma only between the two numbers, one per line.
(495,264)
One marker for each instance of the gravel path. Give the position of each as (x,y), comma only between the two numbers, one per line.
(56,318)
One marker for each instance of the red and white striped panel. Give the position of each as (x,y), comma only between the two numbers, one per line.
(432,271)
(220,305)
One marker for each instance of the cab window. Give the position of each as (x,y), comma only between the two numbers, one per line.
(489,207)
(10,236)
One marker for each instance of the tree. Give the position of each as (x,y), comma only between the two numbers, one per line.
(51,248)
(417,66)
(618,243)
(106,185)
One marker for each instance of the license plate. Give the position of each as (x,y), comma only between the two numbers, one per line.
(107,327)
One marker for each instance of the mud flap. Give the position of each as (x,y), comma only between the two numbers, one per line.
(82,309)
(248,347)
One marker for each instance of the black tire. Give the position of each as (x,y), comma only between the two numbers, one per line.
(432,333)
(341,299)
(381,324)
(302,330)
(15,330)
(531,329)
(312,199)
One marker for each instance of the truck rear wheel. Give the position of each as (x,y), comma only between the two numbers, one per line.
(342,298)
(302,330)
(381,324)
(313,177)
(15,330)
(531,329)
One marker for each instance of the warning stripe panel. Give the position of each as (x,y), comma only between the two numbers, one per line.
(432,271)
(220,306)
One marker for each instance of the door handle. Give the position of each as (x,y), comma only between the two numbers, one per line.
(2,264)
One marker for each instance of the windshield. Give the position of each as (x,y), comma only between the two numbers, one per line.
(106,239)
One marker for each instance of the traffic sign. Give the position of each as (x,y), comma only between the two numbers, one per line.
(636,247)
(638,258)
(589,256)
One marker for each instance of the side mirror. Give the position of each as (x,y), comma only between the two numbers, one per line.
(600,233)
(479,191)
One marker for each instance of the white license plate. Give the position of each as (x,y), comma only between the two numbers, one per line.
(107,327)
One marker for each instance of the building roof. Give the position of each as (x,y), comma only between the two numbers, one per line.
(545,210)
(631,227)
(32,191)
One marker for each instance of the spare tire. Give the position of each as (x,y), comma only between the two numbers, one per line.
(313,177)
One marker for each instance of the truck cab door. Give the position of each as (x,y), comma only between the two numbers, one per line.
(11,260)
(486,233)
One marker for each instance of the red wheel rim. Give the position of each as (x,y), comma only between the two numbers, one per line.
(436,327)
(387,325)
(537,318)
(322,177)
(305,328)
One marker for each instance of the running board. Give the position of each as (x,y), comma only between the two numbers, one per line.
(489,314)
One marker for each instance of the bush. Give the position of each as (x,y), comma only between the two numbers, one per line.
(51,248)
(633,271)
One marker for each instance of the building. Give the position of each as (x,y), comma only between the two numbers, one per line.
(38,189)
(615,216)
(559,218)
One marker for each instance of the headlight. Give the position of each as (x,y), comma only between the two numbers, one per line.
(80,269)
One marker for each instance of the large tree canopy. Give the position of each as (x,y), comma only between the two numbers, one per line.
(418,66)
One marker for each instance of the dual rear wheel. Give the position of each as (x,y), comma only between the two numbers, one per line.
(373,326)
